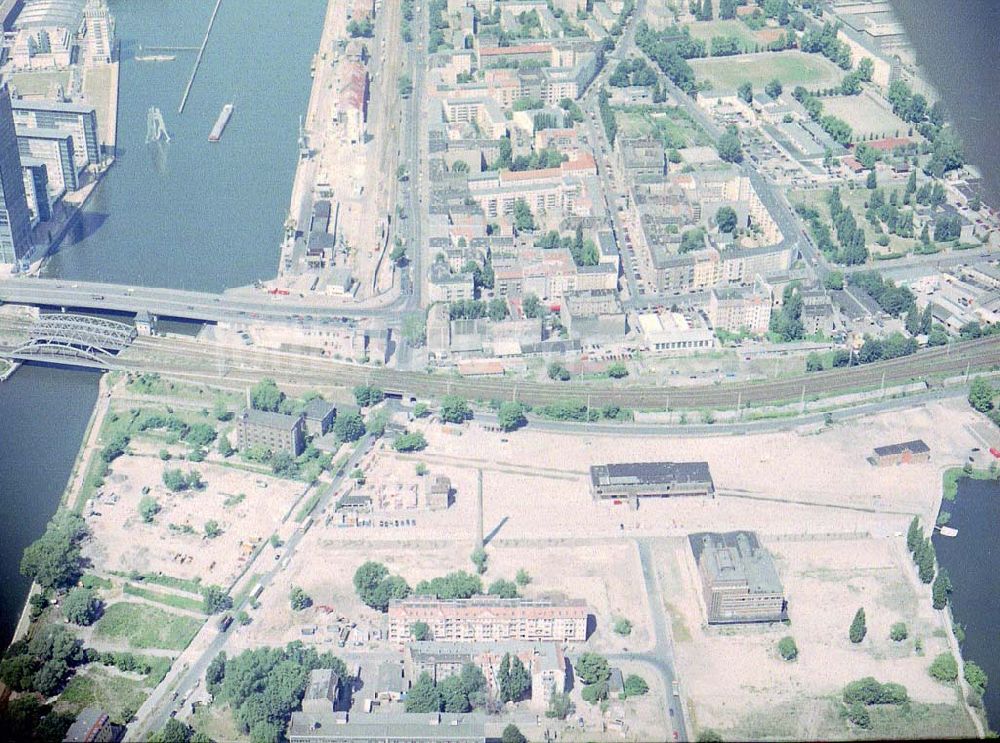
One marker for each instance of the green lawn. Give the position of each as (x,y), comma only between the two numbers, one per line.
(791,67)
(38,84)
(709,29)
(143,626)
(949,482)
(117,695)
(167,599)
(865,115)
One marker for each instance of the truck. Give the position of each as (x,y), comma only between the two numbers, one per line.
(224,623)
(677,688)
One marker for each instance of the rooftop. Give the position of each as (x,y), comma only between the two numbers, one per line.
(636,473)
(917,446)
(736,556)
(271,420)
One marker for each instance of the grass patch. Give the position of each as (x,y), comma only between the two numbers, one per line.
(182,584)
(791,67)
(310,504)
(119,696)
(917,720)
(39,83)
(670,124)
(167,599)
(144,626)
(95,581)
(949,482)
(707,30)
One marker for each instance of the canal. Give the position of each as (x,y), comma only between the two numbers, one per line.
(44,413)
(973,562)
(193,214)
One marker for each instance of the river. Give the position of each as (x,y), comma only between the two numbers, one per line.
(44,413)
(192,214)
(973,562)
(189,214)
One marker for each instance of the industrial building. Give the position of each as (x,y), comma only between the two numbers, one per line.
(323,692)
(739,580)
(650,480)
(904,453)
(275,432)
(483,619)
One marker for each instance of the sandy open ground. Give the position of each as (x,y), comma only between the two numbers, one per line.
(122,542)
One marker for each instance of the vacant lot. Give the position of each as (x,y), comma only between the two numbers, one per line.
(140,626)
(791,67)
(116,693)
(671,124)
(866,115)
(736,682)
(706,31)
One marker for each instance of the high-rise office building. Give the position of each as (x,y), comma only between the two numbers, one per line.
(15,221)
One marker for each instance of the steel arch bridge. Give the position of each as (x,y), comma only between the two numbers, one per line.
(81,336)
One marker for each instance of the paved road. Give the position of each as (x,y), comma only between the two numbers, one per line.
(179,684)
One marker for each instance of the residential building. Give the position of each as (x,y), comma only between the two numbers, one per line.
(276,432)
(319,415)
(386,727)
(54,147)
(36,189)
(92,725)
(905,453)
(741,310)
(483,619)
(15,219)
(739,580)
(323,691)
(594,314)
(78,119)
(445,286)
(650,480)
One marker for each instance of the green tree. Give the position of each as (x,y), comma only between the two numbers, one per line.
(504,589)
(512,734)
(148,508)
(560,707)
(858,714)
(623,627)
(944,668)
(924,557)
(898,632)
(872,181)
(522,578)
(940,589)
(726,219)
(773,88)
(858,627)
(479,558)
(729,147)
(212,529)
(200,435)
(745,92)
(976,677)
(592,668)
(349,427)
(914,535)
(595,693)
(524,220)
(787,648)
(82,606)
(617,370)
(265,395)
(420,631)
(531,305)
(366,395)
(215,600)
(414,441)
(515,684)
(299,599)
(225,448)
(53,560)
(423,696)
(455,409)
(834,280)
(558,372)
(174,731)
(635,685)
(511,416)
(981,394)
(175,481)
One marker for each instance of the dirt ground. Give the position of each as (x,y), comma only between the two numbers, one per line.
(122,542)
(733,678)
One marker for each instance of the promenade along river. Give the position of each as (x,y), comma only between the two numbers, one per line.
(973,562)
(43,416)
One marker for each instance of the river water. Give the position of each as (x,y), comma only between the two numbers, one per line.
(189,213)
(43,416)
(973,562)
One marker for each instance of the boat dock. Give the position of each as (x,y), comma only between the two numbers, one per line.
(201,53)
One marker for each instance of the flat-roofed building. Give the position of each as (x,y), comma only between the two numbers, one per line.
(650,480)
(484,619)
(593,314)
(673,333)
(36,189)
(15,218)
(79,120)
(735,310)
(904,453)
(54,147)
(319,415)
(739,580)
(276,432)
(323,691)
(386,727)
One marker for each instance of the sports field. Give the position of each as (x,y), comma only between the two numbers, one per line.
(866,115)
(707,30)
(791,67)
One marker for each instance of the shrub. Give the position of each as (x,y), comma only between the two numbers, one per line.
(787,648)
(635,686)
(898,632)
(623,627)
(858,714)
(299,599)
(420,631)
(944,668)
(976,677)
(148,508)
(858,627)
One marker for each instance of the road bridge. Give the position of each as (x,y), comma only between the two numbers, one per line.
(75,338)
(244,306)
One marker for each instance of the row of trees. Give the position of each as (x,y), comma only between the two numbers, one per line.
(459,693)
(838,129)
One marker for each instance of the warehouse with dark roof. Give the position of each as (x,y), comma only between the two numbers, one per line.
(650,480)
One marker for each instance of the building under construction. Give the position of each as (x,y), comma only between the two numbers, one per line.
(739,580)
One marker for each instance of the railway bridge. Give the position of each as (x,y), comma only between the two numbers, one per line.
(66,337)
